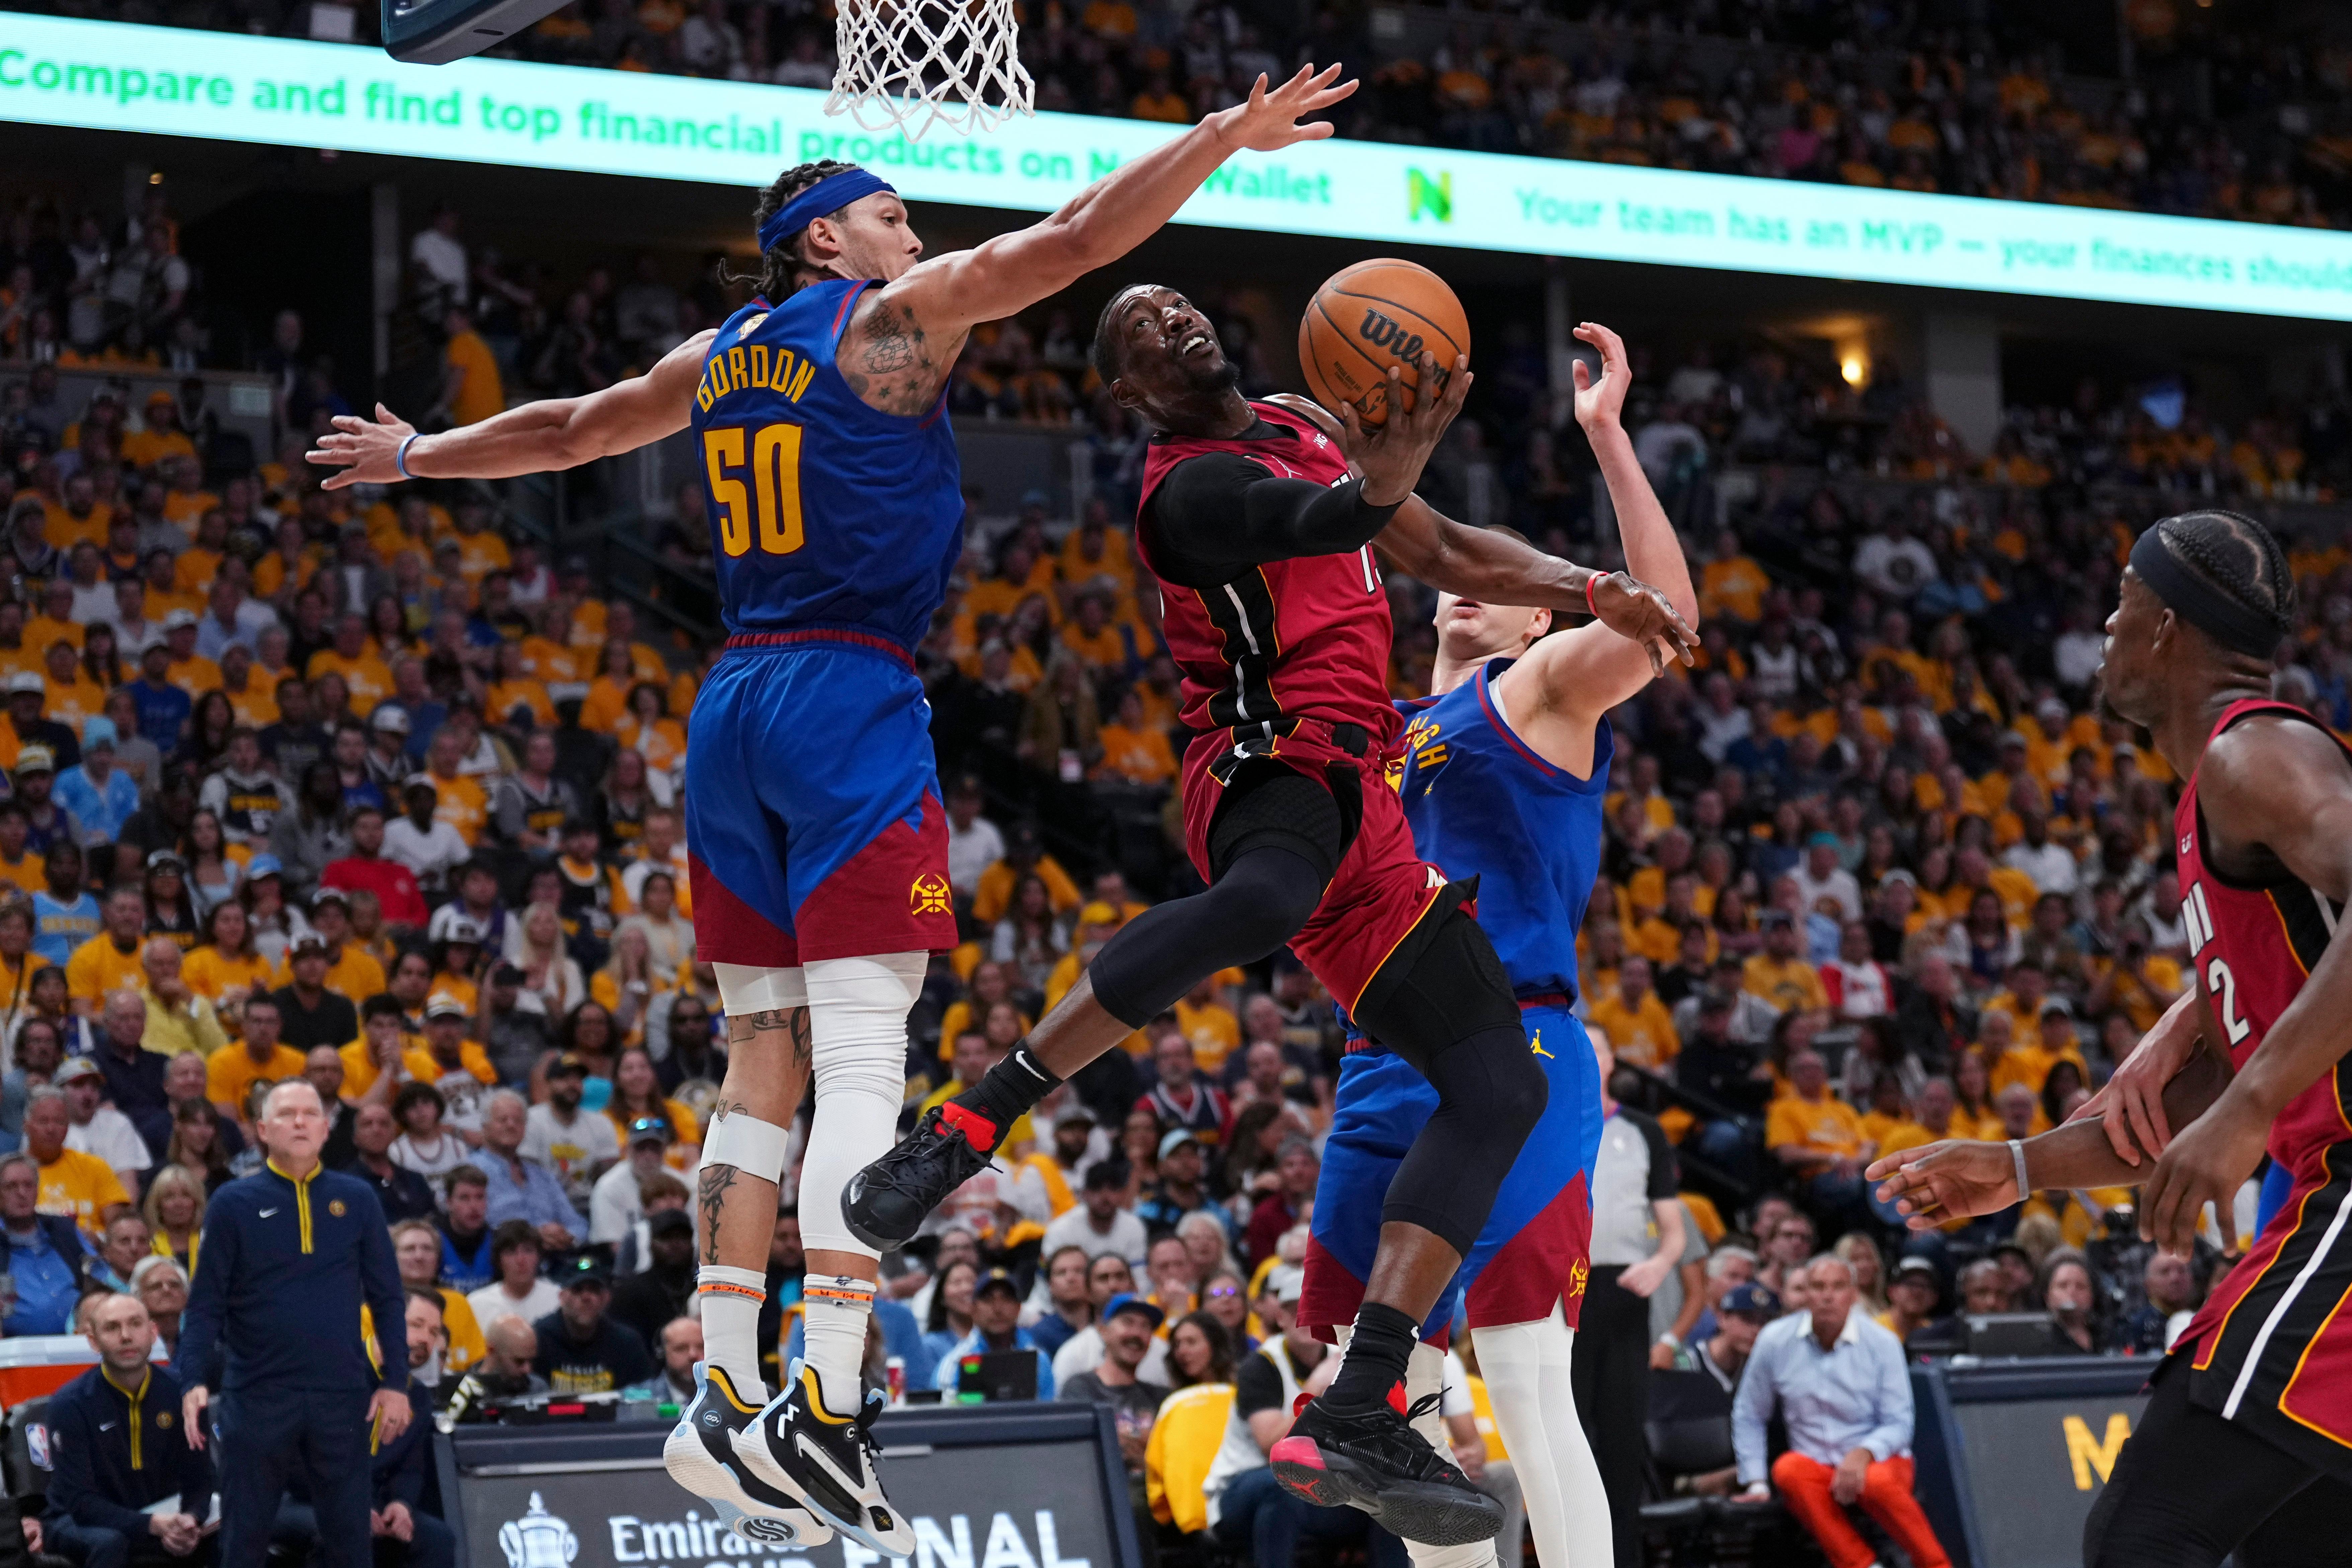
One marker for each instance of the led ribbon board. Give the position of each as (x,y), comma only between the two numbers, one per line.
(230,87)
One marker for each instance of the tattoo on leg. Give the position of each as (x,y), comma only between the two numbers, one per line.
(797,1022)
(714,1183)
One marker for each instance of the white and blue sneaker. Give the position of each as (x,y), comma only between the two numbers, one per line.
(824,1462)
(700,1455)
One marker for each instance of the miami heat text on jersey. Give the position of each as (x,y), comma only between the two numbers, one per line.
(1300,639)
(2272,1344)
(826,514)
(1481,803)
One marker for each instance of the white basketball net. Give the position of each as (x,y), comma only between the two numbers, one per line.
(914,64)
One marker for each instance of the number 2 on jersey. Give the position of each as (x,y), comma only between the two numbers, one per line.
(774,491)
(2222,986)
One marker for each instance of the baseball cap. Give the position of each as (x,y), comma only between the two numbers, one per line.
(325,896)
(663,1222)
(650,1130)
(1175,1140)
(99,730)
(1126,1301)
(1750,1301)
(1106,1176)
(262,865)
(464,928)
(2013,737)
(567,1065)
(1714,1001)
(27,681)
(178,618)
(310,941)
(1074,1115)
(1098,914)
(2056,1005)
(1819,840)
(1920,1267)
(388,717)
(582,1272)
(505,974)
(1897,874)
(36,760)
(166,860)
(441,1004)
(74,1068)
(1288,1284)
(995,1279)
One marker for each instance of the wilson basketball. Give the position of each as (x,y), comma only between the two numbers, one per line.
(1369,317)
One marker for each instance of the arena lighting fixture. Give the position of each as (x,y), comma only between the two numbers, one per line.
(1855,367)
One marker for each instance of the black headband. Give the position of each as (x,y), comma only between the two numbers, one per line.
(2232,624)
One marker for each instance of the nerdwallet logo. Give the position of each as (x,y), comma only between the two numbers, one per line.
(1429,196)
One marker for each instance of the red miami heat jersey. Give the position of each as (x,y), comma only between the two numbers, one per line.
(2272,1344)
(1305,639)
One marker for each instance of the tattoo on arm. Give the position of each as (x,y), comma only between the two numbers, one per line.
(713,1183)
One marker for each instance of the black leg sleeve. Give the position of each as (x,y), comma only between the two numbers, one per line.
(1266,894)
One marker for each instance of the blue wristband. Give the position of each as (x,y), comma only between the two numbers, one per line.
(400,459)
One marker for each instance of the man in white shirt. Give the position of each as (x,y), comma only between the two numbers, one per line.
(2050,865)
(614,1204)
(1097,1223)
(1819,876)
(575,1144)
(1891,562)
(101,1129)
(973,843)
(429,848)
(435,251)
(662,851)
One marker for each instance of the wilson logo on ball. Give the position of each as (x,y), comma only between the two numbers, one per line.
(1383,332)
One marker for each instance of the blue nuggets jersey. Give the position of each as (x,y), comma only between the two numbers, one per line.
(1481,803)
(826,515)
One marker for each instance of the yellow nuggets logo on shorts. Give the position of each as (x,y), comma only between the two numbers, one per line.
(1577,1275)
(337,1209)
(928,896)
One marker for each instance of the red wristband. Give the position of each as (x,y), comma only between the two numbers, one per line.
(1590,583)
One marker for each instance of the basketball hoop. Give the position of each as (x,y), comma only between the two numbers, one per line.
(909,65)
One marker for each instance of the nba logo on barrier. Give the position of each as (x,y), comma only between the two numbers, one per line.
(1427,197)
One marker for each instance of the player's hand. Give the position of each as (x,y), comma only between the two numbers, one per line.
(388,1413)
(2131,1105)
(1598,403)
(1639,613)
(1269,121)
(191,1414)
(1952,1180)
(366,450)
(1391,457)
(2206,1164)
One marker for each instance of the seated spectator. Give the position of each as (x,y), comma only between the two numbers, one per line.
(46,1263)
(1185,1097)
(310,1015)
(2065,1291)
(520,1188)
(1180,1191)
(119,1250)
(162,1287)
(1296,1172)
(1248,1512)
(1838,1381)
(995,1330)
(580,1349)
(367,868)
(681,1346)
(1818,1137)
(1739,1316)
(110,959)
(576,1144)
(517,1289)
(416,1249)
(118,1451)
(468,1252)
(2170,1286)
(615,1203)
(1100,1224)
(1128,1324)
(77,1187)
(1067,1308)
(402,1194)
(505,1373)
(662,1288)
(1107,1277)
(99,1129)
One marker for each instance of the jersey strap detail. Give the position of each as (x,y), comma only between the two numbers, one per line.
(841,317)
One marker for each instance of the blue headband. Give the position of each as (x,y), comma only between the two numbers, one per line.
(827,197)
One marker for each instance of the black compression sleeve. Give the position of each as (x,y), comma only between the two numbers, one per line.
(1219,514)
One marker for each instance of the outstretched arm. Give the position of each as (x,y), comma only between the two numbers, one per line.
(1566,682)
(1110,217)
(558,433)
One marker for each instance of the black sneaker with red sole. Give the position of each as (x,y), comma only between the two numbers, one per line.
(1374,1460)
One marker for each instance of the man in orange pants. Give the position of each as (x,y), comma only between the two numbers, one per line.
(1840,1381)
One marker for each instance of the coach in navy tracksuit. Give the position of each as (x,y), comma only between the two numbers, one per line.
(289,1255)
(115,1450)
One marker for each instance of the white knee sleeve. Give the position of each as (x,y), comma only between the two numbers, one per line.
(858,1028)
(1528,1382)
(748,988)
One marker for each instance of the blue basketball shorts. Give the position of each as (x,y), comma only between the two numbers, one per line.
(1535,1247)
(813,827)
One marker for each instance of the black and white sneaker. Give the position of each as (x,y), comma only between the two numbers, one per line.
(826,1461)
(885,1203)
(1375,1461)
(699,1455)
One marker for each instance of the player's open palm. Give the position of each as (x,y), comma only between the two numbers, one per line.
(366,450)
(1636,611)
(1391,455)
(1955,1179)
(1269,121)
(1599,400)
